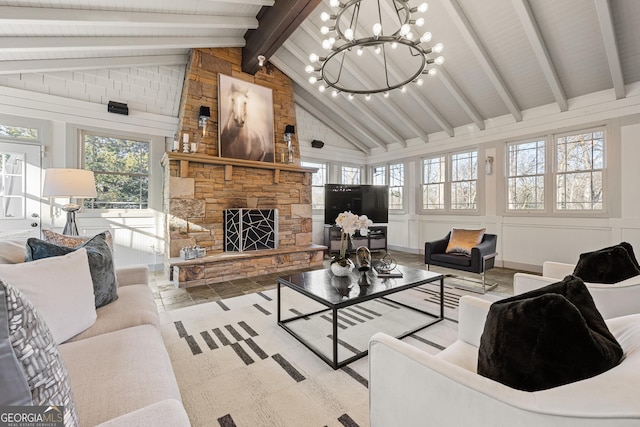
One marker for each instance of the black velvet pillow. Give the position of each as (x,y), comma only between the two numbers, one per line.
(546,338)
(608,265)
(103,275)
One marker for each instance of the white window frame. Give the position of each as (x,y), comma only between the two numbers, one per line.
(544,175)
(118,135)
(446,160)
(322,167)
(386,180)
(551,176)
(342,170)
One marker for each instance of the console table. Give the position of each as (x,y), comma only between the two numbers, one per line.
(376,240)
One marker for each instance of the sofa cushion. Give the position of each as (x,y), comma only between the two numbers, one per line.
(608,265)
(12,250)
(73,241)
(36,355)
(101,264)
(135,306)
(461,241)
(119,372)
(546,338)
(456,259)
(60,288)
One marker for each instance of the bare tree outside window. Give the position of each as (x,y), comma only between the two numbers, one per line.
(121,168)
(318,180)
(464,177)
(18,132)
(379,175)
(350,175)
(433,181)
(525,175)
(580,164)
(396,186)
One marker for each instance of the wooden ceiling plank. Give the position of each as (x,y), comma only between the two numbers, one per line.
(314,111)
(62,44)
(53,65)
(64,17)
(302,81)
(276,24)
(460,97)
(603,9)
(530,27)
(471,38)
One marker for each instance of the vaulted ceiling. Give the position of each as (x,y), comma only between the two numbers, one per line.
(503,57)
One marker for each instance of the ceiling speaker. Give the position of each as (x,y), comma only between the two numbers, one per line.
(118,108)
(316,143)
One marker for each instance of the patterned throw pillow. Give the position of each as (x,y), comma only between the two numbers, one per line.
(73,241)
(37,354)
(461,241)
(103,274)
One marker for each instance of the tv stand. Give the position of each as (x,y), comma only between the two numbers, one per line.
(375,241)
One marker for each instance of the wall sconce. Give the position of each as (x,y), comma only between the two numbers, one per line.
(488,165)
(261,59)
(287,156)
(203,118)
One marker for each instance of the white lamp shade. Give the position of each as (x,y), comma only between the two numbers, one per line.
(72,183)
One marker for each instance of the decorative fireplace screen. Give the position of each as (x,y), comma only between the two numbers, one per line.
(250,229)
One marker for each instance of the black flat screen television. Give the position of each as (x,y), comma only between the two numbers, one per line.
(369,200)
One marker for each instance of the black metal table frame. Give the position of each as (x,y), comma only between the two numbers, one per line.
(343,304)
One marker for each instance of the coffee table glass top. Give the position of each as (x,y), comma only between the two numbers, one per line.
(323,285)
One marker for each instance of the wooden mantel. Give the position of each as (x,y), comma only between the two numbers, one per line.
(185,158)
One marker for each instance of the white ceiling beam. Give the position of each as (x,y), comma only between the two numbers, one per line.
(471,38)
(313,91)
(53,65)
(388,103)
(331,124)
(530,27)
(603,9)
(10,15)
(366,111)
(75,44)
(460,97)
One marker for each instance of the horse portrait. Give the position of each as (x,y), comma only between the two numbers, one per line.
(246,120)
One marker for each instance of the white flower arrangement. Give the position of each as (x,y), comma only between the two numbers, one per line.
(349,224)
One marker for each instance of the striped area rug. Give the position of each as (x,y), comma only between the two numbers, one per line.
(236,367)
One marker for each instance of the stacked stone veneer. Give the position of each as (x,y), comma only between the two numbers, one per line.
(195,203)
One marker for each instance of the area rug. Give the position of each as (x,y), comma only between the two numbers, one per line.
(236,367)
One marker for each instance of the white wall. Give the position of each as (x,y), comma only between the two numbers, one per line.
(63,104)
(525,241)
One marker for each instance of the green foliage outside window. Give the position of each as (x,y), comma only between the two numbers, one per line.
(121,168)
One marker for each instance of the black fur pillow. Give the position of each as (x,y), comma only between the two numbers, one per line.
(608,265)
(546,338)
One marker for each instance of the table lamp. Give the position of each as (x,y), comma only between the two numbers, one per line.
(71,183)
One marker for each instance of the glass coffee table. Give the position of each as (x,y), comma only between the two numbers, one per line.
(336,316)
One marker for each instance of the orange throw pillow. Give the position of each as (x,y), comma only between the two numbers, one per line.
(461,241)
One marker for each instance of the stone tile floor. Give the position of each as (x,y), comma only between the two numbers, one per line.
(169,297)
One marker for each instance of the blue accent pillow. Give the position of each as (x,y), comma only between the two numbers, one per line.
(103,274)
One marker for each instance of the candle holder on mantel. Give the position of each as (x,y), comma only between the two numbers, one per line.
(185,143)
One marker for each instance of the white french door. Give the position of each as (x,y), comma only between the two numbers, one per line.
(20,189)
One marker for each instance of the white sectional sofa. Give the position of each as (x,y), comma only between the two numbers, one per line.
(119,368)
(408,387)
(612,300)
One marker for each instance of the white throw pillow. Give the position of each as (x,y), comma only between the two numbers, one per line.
(12,250)
(60,288)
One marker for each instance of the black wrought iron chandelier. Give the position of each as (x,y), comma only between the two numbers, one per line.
(391,41)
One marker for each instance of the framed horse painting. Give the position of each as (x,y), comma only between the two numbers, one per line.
(245,120)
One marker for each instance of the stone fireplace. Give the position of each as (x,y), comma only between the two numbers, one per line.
(199,187)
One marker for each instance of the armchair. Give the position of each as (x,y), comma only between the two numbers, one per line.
(612,300)
(410,387)
(482,256)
